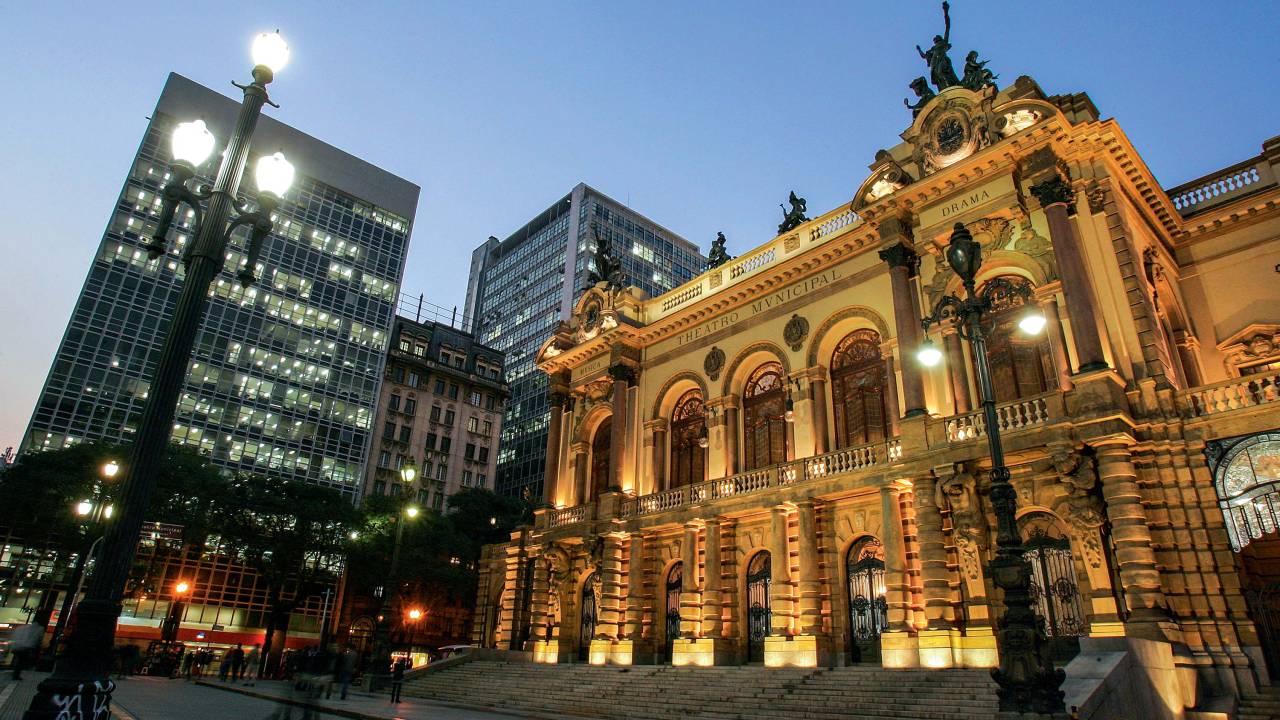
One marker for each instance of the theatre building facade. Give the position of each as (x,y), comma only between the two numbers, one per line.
(755,468)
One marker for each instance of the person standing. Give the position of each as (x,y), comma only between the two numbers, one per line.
(346,669)
(25,643)
(397,678)
(237,662)
(224,667)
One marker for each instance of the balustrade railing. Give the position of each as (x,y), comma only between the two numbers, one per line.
(1234,394)
(682,297)
(1222,186)
(567,516)
(754,262)
(832,225)
(1012,416)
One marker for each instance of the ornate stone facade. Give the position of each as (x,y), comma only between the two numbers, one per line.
(844,514)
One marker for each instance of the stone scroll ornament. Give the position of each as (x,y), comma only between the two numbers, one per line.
(796,330)
(714,363)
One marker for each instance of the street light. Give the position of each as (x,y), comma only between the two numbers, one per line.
(96,511)
(1027,679)
(81,677)
(381,647)
(408,471)
(173,622)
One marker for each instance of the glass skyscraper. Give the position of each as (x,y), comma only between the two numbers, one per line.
(285,374)
(519,288)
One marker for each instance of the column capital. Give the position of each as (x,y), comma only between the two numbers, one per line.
(898,255)
(1054,190)
(1115,442)
(623,372)
(581,447)
(724,402)
(817,372)
(655,425)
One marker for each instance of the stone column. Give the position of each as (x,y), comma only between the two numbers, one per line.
(895,562)
(1056,195)
(810,585)
(936,579)
(780,606)
(891,406)
(901,259)
(551,476)
(1130,533)
(818,396)
(1057,341)
(582,493)
(803,431)
(623,378)
(656,430)
(690,589)
(1189,353)
(731,427)
(633,630)
(712,621)
(957,371)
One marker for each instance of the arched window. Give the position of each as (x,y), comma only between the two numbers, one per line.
(1021,364)
(601,445)
(688,429)
(857,389)
(764,425)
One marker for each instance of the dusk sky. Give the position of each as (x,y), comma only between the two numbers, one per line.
(699,115)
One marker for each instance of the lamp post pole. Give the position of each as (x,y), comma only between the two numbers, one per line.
(1027,679)
(381,641)
(81,685)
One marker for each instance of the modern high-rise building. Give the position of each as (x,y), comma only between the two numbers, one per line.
(521,287)
(285,374)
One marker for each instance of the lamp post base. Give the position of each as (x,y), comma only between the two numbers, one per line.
(81,686)
(1027,678)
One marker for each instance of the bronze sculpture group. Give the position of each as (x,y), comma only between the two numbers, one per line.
(941,73)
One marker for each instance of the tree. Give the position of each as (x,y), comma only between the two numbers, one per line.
(293,534)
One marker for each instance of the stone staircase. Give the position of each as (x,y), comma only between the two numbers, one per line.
(659,692)
(1263,706)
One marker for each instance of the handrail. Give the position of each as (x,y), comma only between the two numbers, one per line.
(567,516)
(1012,416)
(1234,394)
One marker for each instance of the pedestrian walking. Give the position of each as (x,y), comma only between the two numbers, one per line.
(252,662)
(397,678)
(346,669)
(237,662)
(25,643)
(188,661)
(224,667)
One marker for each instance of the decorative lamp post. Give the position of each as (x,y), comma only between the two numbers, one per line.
(81,678)
(95,510)
(173,622)
(1027,679)
(381,645)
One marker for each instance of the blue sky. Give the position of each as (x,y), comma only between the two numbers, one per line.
(701,115)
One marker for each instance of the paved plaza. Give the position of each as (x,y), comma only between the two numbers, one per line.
(144,698)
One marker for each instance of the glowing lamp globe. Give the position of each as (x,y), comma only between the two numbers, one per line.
(411,511)
(110,469)
(84,508)
(192,142)
(274,174)
(270,51)
(1032,323)
(929,355)
(182,587)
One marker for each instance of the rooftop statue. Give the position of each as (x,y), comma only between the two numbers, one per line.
(923,92)
(718,255)
(792,218)
(607,268)
(941,73)
(976,74)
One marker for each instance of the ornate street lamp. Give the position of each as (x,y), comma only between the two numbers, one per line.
(81,678)
(381,645)
(1027,679)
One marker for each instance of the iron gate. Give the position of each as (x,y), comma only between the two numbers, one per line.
(759,578)
(587,624)
(1264,606)
(868,610)
(1054,592)
(674,582)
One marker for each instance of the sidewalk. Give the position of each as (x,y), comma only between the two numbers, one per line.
(15,696)
(364,706)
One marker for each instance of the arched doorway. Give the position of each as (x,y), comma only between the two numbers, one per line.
(759,578)
(857,389)
(868,610)
(1246,472)
(1055,594)
(360,636)
(1021,364)
(764,425)
(587,618)
(688,433)
(675,578)
(601,447)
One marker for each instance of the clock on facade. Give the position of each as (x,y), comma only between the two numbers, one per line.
(949,136)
